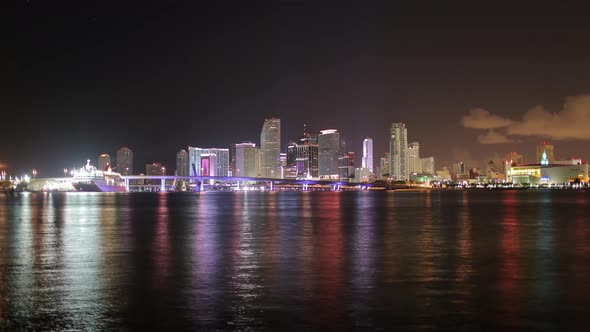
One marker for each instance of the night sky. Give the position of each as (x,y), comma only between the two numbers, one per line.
(82,78)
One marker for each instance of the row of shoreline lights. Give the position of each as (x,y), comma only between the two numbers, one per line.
(25,178)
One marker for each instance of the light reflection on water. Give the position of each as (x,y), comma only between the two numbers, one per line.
(455,260)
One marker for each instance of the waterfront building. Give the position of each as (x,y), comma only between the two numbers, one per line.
(307,161)
(155,169)
(367,161)
(398,145)
(547,148)
(427,165)
(534,174)
(125,161)
(209,164)
(182,166)
(104,162)
(459,169)
(329,151)
(444,175)
(413,157)
(221,160)
(245,156)
(362,175)
(346,167)
(384,166)
(270,149)
(291,154)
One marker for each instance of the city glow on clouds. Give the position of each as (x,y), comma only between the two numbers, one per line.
(570,123)
(493,137)
(479,118)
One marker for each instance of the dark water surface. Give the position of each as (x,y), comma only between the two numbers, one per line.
(452,260)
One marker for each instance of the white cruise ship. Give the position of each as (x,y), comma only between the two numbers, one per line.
(88,178)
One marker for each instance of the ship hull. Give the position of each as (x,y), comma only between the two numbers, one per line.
(93,186)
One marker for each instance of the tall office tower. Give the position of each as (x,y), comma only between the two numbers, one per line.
(414,162)
(427,165)
(209,164)
(383,166)
(270,149)
(398,146)
(291,154)
(329,151)
(125,161)
(346,167)
(232,162)
(182,163)
(514,158)
(104,161)
(245,165)
(306,161)
(221,161)
(459,168)
(367,161)
(258,160)
(155,169)
(548,149)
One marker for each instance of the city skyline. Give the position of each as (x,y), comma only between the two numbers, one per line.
(86,79)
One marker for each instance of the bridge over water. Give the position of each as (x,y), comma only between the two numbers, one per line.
(304,183)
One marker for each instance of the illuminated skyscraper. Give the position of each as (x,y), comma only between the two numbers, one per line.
(346,167)
(155,169)
(125,161)
(245,165)
(182,167)
(413,155)
(291,154)
(329,151)
(221,161)
(270,149)
(427,165)
(548,149)
(398,146)
(307,160)
(104,161)
(367,161)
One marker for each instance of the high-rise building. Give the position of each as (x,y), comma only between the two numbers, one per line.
(307,160)
(384,165)
(459,168)
(548,149)
(346,167)
(209,164)
(155,169)
(182,168)
(245,165)
(427,165)
(514,158)
(221,161)
(413,155)
(367,161)
(270,149)
(291,154)
(104,161)
(125,161)
(398,145)
(329,151)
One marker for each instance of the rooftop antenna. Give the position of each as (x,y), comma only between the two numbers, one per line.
(304,131)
